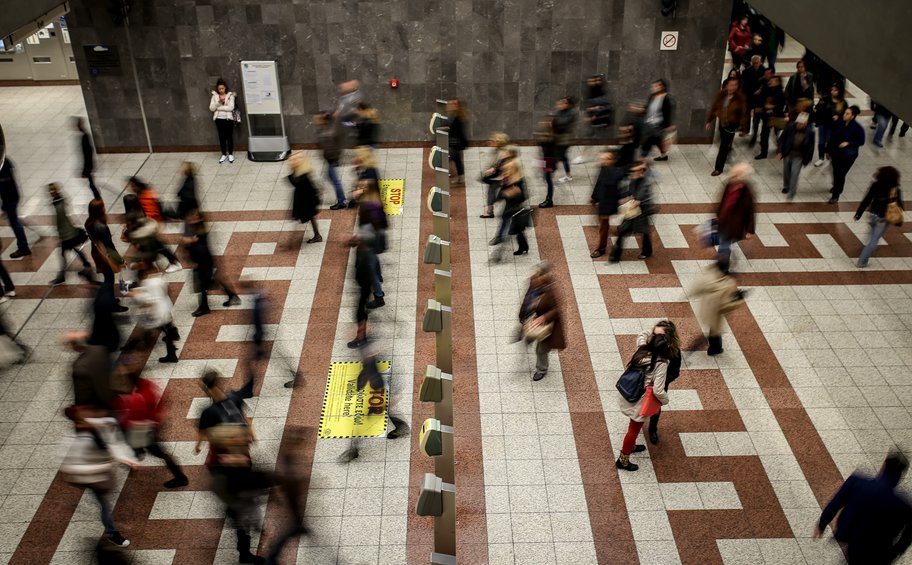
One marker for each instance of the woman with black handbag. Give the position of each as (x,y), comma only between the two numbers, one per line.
(514,218)
(648,366)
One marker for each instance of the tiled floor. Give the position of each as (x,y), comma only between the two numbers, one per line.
(813,383)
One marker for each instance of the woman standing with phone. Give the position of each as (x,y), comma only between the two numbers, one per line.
(222,106)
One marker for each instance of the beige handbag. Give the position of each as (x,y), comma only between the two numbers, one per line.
(536,332)
(629,210)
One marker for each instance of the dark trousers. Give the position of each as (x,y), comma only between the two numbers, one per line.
(549,182)
(74,247)
(765,136)
(456,158)
(166,253)
(92,186)
(894,122)
(604,226)
(522,242)
(619,244)
(841,167)
(363,298)
(727,138)
(8,285)
(226,135)
(12,215)
(155,450)
(107,518)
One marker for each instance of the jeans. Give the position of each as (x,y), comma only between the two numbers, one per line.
(334,179)
(106,517)
(724,251)
(727,138)
(882,122)
(791,169)
(823,136)
(226,135)
(878,227)
(841,167)
(376,277)
(541,357)
(12,215)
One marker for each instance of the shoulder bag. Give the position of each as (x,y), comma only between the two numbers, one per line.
(894,213)
(631,385)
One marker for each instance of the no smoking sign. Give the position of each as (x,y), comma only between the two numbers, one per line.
(668,41)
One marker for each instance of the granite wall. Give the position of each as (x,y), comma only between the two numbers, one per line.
(508,59)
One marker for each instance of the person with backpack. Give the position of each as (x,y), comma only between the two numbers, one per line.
(670,331)
(885,206)
(229,433)
(71,238)
(648,368)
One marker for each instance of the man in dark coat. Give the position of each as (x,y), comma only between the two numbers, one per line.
(875,524)
(605,195)
(88,154)
(846,138)
(9,204)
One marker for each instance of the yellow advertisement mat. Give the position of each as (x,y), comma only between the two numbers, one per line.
(392,193)
(349,412)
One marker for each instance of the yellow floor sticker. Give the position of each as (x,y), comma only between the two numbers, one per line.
(349,412)
(392,192)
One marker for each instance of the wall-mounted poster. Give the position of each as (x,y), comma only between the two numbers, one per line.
(261,87)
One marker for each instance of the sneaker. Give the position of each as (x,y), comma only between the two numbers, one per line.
(377,302)
(223,159)
(20,253)
(117,539)
(174,267)
(4,299)
(59,280)
(338,206)
(232,301)
(579,160)
(177,482)
(11,293)
(566,178)
(819,163)
(231,158)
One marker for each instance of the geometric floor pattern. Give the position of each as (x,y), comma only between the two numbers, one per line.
(814,382)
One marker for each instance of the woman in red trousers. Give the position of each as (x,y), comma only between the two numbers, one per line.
(652,355)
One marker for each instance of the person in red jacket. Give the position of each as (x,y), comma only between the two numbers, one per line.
(740,40)
(141,414)
(736,214)
(148,199)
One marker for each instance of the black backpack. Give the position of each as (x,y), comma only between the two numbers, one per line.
(632,384)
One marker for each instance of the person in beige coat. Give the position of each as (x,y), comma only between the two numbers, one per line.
(719,295)
(652,355)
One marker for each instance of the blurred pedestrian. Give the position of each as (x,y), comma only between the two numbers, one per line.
(564,122)
(500,154)
(222,105)
(597,115)
(367,125)
(146,206)
(88,154)
(730,109)
(605,195)
(187,195)
(365,169)
(541,318)
(305,201)
(651,360)
(7,288)
(846,138)
(882,117)
(141,414)
(346,111)
(883,194)
(328,139)
(636,210)
(658,128)
(796,150)
(9,205)
(546,142)
(670,331)
(364,277)
(108,261)
(736,214)
(154,309)
(229,432)
(196,241)
(372,226)
(875,519)
(290,477)
(89,460)
(718,293)
(513,193)
(91,372)
(457,120)
(71,238)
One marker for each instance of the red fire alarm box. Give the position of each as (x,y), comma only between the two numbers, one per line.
(394,83)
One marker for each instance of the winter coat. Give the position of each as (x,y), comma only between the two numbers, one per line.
(736,211)
(154,304)
(788,136)
(850,132)
(543,302)
(607,190)
(735,116)
(89,459)
(739,39)
(719,294)
(222,111)
(794,91)
(306,199)
(656,377)
(877,198)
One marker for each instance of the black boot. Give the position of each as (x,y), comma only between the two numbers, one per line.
(171,356)
(715,345)
(203,307)
(623,462)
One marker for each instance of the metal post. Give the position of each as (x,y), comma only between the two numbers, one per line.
(442,174)
(442,227)
(445,525)
(443,410)
(444,466)
(445,341)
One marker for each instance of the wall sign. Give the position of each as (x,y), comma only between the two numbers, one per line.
(668,41)
(103,60)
